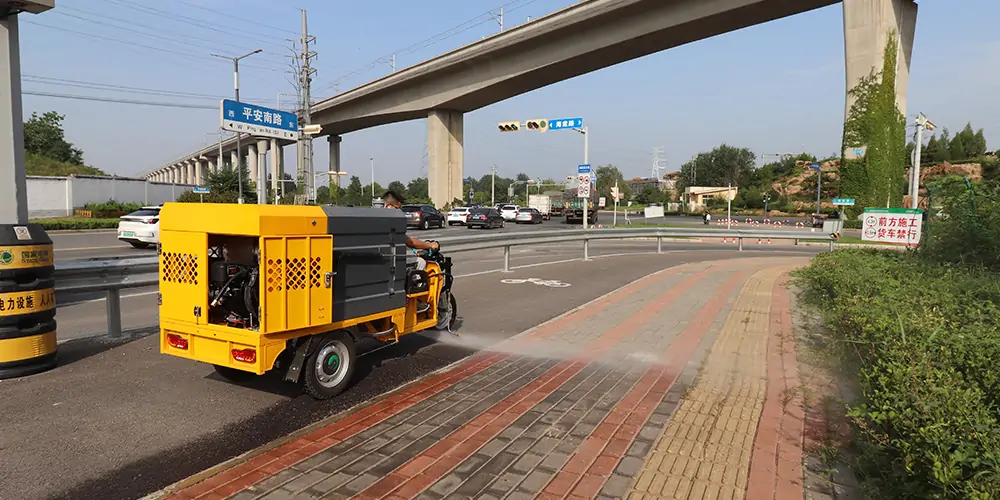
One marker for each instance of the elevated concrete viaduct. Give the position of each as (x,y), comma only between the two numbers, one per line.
(587,36)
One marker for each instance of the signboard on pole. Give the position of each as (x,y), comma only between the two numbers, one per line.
(201,190)
(583,186)
(564,123)
(899,226)
(854,153)
(843,202)
(602,202)
(259,121)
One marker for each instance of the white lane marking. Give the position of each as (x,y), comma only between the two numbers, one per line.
(81,249)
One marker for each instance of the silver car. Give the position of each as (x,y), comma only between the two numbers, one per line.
(528,216)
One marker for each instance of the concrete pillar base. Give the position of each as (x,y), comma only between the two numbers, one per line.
(334,142)
(445,156)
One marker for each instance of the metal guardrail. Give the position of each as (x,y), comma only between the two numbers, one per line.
(113,276)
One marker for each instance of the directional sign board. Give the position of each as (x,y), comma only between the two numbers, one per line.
(583,169)
(892,225)
(258,120)
(564,123)
(583,186)
(844,202)
(814,166)
(202,190)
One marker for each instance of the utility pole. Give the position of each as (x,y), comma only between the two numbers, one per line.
(372,160)
(922,123)
(236,89)
(655,171)
(493,186)
(498,18)
(305,169)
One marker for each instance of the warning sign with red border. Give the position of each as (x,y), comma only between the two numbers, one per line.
(900,226)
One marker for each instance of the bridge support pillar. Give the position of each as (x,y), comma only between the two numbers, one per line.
(199,172)
(189,172)
(234,159)
(277,168)
(867,24)
(445,168)
(212,164)
(252,163)
(334,143)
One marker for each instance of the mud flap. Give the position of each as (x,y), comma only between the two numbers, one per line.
(301,353)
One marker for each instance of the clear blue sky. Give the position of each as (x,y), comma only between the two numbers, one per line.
(777,87)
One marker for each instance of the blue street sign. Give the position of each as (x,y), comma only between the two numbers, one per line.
(814,166)
(258,120)
(564,123)
(202,190)
(859,151)
(583,169)
(843,202)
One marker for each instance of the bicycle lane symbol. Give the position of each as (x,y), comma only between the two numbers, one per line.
(537,281)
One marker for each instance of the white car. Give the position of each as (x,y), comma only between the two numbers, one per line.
(140,228)
(509,212)
(458,215)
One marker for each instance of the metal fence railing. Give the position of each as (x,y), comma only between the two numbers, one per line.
(110,277)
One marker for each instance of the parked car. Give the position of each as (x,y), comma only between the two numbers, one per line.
(487,218)
(458,215)
(423,216)
(140,228)
(509,212)
(528,216)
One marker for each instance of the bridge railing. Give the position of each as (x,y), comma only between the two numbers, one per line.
(110,277)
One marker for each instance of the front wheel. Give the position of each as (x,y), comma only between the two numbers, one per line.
(330,367)
(425,225)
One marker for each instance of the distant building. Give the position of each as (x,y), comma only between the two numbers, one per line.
(696,197)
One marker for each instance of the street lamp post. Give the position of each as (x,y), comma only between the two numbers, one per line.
(236,88)
(331,173)
(586,161)
(922,122)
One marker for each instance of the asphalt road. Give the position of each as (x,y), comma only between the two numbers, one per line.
(119,420)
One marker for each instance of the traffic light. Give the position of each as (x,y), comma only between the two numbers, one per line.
(509,126)
(539,125)
(615,195)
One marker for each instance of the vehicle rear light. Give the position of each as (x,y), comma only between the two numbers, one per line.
(177,342)
(418,214)
(245,355)
(152,221)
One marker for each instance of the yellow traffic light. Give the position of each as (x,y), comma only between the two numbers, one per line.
(509,126)
(539,125)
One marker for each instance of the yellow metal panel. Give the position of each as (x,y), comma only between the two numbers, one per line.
(215,347)
(22,348)
(320,296)
(243,220)
(274,317)
(297,282)
(184,276)
(21,257)
(18,303)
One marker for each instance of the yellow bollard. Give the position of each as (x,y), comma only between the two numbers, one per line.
(27,301)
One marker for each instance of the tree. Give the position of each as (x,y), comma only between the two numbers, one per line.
(354,193)
(720,167)
(979,144)
(398,187)
(43,135)
(417,189)
(957,148)
(227,180)
(606,177)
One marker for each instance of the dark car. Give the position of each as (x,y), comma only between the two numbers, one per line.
(488,218)
(423,216)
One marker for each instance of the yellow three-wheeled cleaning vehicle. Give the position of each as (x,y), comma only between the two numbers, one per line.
(255,288)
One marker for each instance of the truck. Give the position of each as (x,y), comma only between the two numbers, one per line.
(542,203)
(574,207)
(558,205)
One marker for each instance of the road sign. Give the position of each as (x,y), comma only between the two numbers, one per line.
(846,202)
(202,190)
(259,121)
(472,194)
(854,153)
(899,226)
(814,166)
(583,169)
(583,186)
(602,202)
(564,123)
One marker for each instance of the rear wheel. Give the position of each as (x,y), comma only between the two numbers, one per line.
(330,367)
(233,375)
(425,225)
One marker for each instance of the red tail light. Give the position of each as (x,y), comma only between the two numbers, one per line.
(245,355)
(152,221)
(177,342)
(418,214)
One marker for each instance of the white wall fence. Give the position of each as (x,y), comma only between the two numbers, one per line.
(59,196)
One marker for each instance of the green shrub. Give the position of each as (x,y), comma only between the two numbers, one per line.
(925,338)
(214,197)
(969,230)
(77,223)
(110,209)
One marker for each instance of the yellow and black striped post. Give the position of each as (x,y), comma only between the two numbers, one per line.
(27,301)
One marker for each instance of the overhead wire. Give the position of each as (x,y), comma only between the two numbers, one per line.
(477,21)
(43,80)
(238,18)
(119,100)
(187,20)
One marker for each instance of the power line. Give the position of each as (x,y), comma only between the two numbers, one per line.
(120,101)
(455,30)
(133,44)
(104,22)
(43,80)
(231,16)
(187,20)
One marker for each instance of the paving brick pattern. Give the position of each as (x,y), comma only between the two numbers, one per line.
(603,402)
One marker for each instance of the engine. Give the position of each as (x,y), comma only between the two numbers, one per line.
(233,289)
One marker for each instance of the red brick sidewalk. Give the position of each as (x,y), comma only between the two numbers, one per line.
(675,386)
